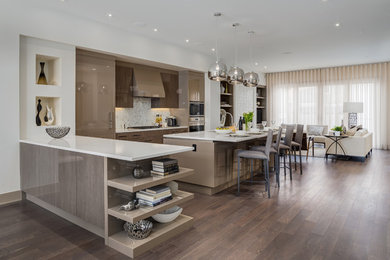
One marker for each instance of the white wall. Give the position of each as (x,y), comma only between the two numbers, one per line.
(19,18)
(64,109)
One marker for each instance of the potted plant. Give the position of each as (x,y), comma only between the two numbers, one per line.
(337,130)
(248,117)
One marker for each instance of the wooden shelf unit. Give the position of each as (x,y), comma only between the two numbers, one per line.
(161,232)
(227,97)
(130,184)
(118,178)
(144,211)
(261,103)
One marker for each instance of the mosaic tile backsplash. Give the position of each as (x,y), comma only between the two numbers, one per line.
(141,114)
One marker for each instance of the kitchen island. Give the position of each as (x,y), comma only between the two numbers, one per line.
(214,158)
(85,180)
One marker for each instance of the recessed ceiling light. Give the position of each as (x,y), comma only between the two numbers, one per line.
(213,49)
(155,29)
(187,41)
(256,63)
(94,69)
(337,24)
(109,14)
(265,67)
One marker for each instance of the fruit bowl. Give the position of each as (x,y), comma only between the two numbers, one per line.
(168,215)
(58,131)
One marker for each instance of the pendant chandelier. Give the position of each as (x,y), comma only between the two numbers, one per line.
(218,70)
(251,79)
(236,74)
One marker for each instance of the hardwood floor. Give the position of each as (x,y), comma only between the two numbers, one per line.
(335,210)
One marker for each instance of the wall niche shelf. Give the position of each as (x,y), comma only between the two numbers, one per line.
(54,103)
(52,69)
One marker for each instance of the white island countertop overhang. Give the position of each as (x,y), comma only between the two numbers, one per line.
(216,137)
(110,148)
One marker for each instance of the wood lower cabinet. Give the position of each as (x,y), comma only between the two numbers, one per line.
(90,184)
(70,181)
(67,176)
(153,136)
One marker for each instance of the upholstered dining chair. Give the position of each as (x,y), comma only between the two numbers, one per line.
(256,155)
(285,148)
(275,152)
(296,145)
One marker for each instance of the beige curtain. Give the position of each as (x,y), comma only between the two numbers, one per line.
(316,97)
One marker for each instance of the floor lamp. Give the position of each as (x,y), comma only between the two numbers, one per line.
(352,108)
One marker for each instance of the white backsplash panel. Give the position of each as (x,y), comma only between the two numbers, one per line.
(141,114)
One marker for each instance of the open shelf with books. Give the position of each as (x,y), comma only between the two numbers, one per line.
(145,211)
(119,180)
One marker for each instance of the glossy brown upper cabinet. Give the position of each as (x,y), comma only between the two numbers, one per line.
(171,87)
(123,85)
(95,94)
(196,86)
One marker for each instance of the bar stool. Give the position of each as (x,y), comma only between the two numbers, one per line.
(297,146)
(256,155)
(275,151)
(285,148)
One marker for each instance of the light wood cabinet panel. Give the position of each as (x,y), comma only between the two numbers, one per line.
(47,172)
(90,188)
(72,182)
(123,86)
(29,178)
(67,177)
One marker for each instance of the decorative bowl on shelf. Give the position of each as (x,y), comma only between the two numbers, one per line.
(223,131)
(138,230)
(57,131)
(168,215)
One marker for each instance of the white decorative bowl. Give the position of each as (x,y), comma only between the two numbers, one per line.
(227,131)
(57,131)
(168,215)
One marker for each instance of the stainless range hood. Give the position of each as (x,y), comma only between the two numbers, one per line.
(148,83)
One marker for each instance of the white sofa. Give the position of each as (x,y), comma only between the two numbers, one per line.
(354,146)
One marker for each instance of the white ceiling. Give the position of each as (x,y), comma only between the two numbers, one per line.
(289,34)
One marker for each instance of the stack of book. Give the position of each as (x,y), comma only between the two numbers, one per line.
(154,196)
(165,166)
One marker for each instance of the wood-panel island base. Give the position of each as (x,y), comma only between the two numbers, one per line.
(215,163)
(88,189)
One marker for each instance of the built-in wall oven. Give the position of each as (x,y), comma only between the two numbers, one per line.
(196,108)
(196,123)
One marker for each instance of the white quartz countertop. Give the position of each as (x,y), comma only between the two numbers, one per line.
(215,137)
(130,130)
(117,149)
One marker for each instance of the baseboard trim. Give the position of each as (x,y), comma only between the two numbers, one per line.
(63,214)
(10,197)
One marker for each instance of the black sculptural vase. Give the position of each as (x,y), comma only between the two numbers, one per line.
(37,118)
(42,77)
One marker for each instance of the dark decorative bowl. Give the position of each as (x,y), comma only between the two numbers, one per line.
(139,230)
(58,131)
